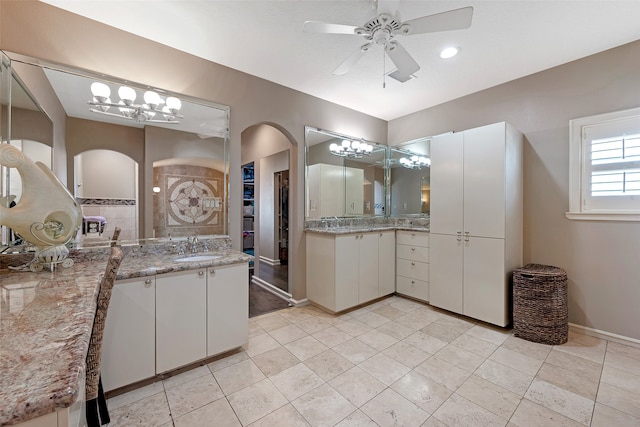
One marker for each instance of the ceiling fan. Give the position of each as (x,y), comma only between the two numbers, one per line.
(382,31)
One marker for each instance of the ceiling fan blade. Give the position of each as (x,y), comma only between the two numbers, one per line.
(457,19)
(405,64)
(324,27)
(351,60)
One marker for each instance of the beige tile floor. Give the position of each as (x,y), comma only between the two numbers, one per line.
(394,363)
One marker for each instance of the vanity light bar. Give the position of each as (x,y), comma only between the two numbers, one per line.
(351,148)
(128,109)
(415,162)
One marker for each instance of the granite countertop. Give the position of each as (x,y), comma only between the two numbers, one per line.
(46,320)
(362,229)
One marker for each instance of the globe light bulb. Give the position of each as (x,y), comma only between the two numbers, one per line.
(100,91)
(174,104)
(152,99)
(127,94)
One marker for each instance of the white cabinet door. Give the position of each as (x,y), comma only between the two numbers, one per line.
(128,349)
(227,308)
(181,319)
(484,181)
(354,191)
(346,272)
(326,190)
(485,281)
(386,262)
(446,272)
(447,184)
(368,267)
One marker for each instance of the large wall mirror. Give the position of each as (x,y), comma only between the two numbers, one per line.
(25,125)
(409,178)
(152,162)
(345,176)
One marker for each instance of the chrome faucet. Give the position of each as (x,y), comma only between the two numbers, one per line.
(192,244)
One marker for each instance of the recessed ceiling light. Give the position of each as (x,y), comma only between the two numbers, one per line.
(449,52)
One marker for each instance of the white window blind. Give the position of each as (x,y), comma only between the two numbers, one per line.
(607,150)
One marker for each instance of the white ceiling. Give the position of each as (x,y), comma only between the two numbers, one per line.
(506,40)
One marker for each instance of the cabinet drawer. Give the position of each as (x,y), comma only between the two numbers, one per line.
(413,253)
(412,287)
(412,238)
(413,269)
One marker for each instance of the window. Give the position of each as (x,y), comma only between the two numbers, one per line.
(605,167)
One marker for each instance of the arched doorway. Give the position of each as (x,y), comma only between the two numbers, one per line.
(267,156)
(106,186)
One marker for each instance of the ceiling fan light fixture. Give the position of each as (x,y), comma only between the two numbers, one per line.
(449,52)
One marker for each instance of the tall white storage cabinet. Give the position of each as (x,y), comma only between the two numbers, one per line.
(476,221)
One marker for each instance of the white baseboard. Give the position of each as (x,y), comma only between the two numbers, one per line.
(273,289)
(269,260)
(632,342)
(299,302)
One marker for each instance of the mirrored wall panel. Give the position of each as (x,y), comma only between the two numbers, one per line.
(152,162)
(409,178)
(345,176)
(25,125)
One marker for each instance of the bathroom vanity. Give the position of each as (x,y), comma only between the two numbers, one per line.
(348,267)
(46,320)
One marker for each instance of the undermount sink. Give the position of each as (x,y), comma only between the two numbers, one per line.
(196,258)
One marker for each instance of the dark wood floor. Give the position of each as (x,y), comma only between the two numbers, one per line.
(262,301)
(277,275)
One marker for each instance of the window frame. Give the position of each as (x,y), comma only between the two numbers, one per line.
(577,169)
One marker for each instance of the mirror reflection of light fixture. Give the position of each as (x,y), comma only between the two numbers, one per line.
(351,148)
(128,109)
(415,162)
(156,189)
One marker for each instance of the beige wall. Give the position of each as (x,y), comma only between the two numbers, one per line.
(602,259)
(39,30)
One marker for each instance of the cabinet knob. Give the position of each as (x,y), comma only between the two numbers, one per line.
(200,273)
(413,249)
(459,233)
(413,282)
(212,271)
(466,232)
(413,263)
(147,283)
(459,238)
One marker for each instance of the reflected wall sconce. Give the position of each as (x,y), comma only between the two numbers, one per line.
(415,162)
(156,189)
(154,109)
(351,149)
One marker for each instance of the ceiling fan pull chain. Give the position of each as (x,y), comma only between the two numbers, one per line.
(384,67)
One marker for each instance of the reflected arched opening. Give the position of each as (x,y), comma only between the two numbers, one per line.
(106,186)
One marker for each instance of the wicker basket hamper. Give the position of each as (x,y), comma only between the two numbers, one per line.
(540,312)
